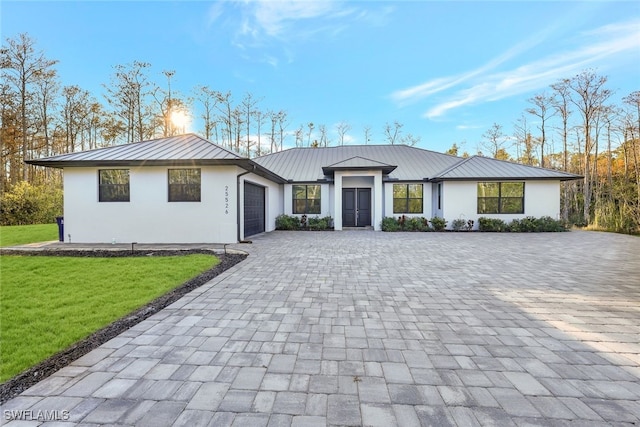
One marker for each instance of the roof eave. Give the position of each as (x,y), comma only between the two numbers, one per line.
(122,163)
(502,178)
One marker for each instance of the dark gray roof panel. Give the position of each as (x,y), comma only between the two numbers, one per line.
(478,167)
(178,148)
(306,164)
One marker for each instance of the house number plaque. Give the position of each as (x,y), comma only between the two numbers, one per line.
(226,200)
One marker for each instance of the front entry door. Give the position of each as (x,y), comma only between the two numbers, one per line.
(356,207)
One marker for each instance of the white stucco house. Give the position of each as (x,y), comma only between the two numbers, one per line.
(185,189)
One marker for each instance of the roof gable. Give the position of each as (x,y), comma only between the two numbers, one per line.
(358,163)
(479,167)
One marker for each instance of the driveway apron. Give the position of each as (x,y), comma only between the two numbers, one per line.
(376,329)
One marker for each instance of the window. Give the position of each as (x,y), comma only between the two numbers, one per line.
(113,185)
(407,198)
(184,185)
(500,197)
(306,199)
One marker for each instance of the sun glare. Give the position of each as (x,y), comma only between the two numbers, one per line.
(180,120)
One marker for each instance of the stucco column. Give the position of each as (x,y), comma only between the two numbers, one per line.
(337,201)
(377,198)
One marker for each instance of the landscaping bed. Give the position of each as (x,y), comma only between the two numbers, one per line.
(28,378)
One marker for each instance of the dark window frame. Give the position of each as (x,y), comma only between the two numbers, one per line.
(306,205)
(114,192)
(500,202)
(184,191)
(404,205)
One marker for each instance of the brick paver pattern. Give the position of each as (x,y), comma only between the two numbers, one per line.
(377,329)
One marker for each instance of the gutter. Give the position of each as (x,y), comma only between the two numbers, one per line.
(238,203)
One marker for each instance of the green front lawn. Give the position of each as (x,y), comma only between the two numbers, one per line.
(49,303)
(23,234)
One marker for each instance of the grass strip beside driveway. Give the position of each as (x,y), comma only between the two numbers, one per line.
(22,234)
(49,303)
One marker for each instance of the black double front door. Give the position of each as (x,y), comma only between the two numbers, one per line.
(356,207)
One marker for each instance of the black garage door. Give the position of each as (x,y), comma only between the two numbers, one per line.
(253,209)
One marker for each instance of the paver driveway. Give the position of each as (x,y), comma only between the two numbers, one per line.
(379,329)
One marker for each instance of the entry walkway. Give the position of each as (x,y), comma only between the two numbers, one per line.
(378,329)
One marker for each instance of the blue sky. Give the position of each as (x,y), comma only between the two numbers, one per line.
(446,70)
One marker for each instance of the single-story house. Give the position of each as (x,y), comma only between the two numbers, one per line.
(185,189)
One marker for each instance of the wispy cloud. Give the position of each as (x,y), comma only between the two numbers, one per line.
(280,25)
(488,83)
(431,87)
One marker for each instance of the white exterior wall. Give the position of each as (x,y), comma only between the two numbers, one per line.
(460,200)
(148,217)
(427,202)
(272,201)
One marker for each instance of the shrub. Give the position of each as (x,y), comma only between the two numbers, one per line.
(524,225)
(438,224)
(458,224)
(287,222)
(389,223)
(416,224)
(491,224)
(30,204)
(318,223)
(546,223)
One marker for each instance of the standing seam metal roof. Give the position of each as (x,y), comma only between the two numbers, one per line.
(173,148)
(401,162)
(305,164)
(479,167)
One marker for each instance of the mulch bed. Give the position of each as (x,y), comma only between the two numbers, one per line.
(28,378)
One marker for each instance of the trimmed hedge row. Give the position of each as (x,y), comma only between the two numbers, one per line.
(525,225)
(404,223)
(289,222)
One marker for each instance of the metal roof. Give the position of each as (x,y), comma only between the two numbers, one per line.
(306,164)
(180,149)
(479,167)
(358,163)
(397,162)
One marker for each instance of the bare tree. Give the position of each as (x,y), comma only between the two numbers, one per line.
(588,95)
(299,134)
(324,139)
(283,123)
(494,141)
(633,128)
(248,108)
(259,120)
(225,106)
(74,113)
(46,94)
(561,104)
(542,109)
(127,94)
(410,140)
(342,128)
(22,66)
(392,132)
(367,134)
(208,100)
(310,125)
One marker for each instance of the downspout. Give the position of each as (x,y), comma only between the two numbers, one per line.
(238,202)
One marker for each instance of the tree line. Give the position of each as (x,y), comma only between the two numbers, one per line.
(40,117)
(573,126)
(570,126)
